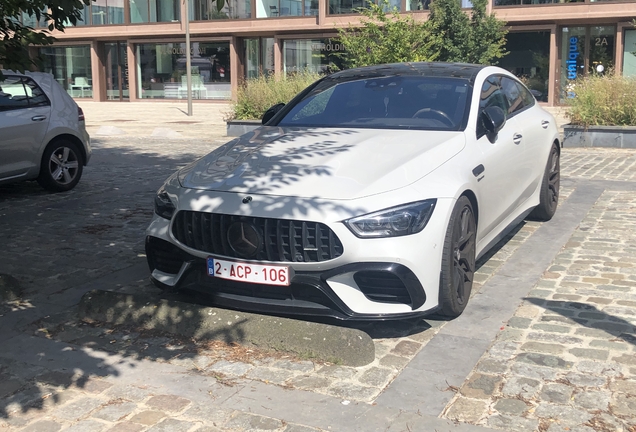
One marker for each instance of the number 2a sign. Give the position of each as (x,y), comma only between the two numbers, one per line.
(601,41)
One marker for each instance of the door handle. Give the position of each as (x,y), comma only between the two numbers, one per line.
(516,138)
(544,124)
(38,118)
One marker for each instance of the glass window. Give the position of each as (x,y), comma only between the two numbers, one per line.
(107,12)
(513,94)
(493,95)
(345,6)
(532,2)
(572,58)
(282,8)
(259,57)
(202,10)
(315,55)
(529,59)
(144,11)
(416,5)
(397,102)
(163,75)
(13,94)
(602,42)
(629,53)
(71,67)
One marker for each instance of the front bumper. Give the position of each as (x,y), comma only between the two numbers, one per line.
(309,293)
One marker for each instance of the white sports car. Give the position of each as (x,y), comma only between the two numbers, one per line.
(368,196)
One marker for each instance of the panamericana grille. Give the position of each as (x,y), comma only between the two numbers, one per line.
(284,240)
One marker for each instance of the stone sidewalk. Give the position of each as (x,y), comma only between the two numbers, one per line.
(562,360)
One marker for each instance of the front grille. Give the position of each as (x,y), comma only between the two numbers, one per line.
(283,240)
(382,286)
(164,256)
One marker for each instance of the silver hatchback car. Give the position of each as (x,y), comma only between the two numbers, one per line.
(42,132)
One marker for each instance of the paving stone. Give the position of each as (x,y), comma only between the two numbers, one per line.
(628,359)
(521,386)
(352,391)
(555,338)
(512,423)
(208,428)
(172,425)
(592,400)
(376,377)
(230,368)
(310,382)
(276,376)
(492,365)
(87,426)
(595,333)
(466,410)
(43,426)
(394,362)
(115,411)
(612,346)
(148,418)
(510,334)
(589,353)
(481,386)
(406,348)
(622,404)
(299,428)
(207,413)
(556,393)
(77,409)
(534,371)
(245,421)
(599,300)
(296,366)
(96,386)
(9,385)
(519,323)
(553,328)
(623,385)
(131,393)
(585,380)
(556,427)
(514,407)
(503,349)
(168,403)
(608,369)
(340,372)
(544,360)
(126,427)
(566,414)
(56,379)
(542,347)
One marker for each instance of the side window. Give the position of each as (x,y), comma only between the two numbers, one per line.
(513,95)
(35,93)
(18,92)
(491,95)
(13,94)
(528,99)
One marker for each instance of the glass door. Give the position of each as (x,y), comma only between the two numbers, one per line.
(117,71)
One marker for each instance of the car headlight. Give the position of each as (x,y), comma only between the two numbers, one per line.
(163,205)
(393,222)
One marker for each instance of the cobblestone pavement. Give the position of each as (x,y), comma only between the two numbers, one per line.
(565,361)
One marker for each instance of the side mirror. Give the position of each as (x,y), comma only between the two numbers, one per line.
(493,118)
(271,112)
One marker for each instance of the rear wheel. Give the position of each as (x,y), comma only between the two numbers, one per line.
(61,167)
(458,260)
(549,195)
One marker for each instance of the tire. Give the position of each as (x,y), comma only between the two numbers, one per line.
(458,260)
(549,194)
(62,166)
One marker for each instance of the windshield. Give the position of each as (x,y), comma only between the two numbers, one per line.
(399,102)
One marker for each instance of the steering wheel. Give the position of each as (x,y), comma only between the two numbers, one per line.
(440,115)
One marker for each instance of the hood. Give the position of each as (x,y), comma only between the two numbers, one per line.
(322,163)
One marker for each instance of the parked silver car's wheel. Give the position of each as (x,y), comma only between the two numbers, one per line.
(62,166)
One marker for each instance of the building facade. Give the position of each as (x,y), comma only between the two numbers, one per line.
(131,50)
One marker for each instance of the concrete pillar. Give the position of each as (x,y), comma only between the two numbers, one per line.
(278,57)
(235,66)
(554,68)
(132,72)
(97,73)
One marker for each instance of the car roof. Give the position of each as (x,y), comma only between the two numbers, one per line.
(428,69)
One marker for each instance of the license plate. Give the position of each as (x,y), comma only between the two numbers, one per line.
(248,272)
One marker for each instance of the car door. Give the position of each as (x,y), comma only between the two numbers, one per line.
(499,178)
(24,119)
(537,137)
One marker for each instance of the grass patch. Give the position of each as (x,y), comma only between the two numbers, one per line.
(607,100)
(256,95)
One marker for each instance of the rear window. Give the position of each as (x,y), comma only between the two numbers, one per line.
(401,102)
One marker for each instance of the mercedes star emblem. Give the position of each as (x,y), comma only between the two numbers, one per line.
(244,239)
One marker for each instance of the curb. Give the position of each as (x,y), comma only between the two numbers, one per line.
(345,346)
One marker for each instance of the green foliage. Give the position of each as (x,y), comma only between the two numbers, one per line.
(479,39)
(15,38)
(603,100)
(386,38)
(449,35)
(256,95)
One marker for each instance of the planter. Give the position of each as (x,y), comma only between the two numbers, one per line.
(600,136)
(239,127)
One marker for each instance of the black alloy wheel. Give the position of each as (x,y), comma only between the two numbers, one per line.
(458,261)
(550,185)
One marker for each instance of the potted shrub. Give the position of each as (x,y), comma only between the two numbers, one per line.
(602,113)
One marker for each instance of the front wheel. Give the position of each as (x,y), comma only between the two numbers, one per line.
(549,194)
(62,166)
(458,260)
